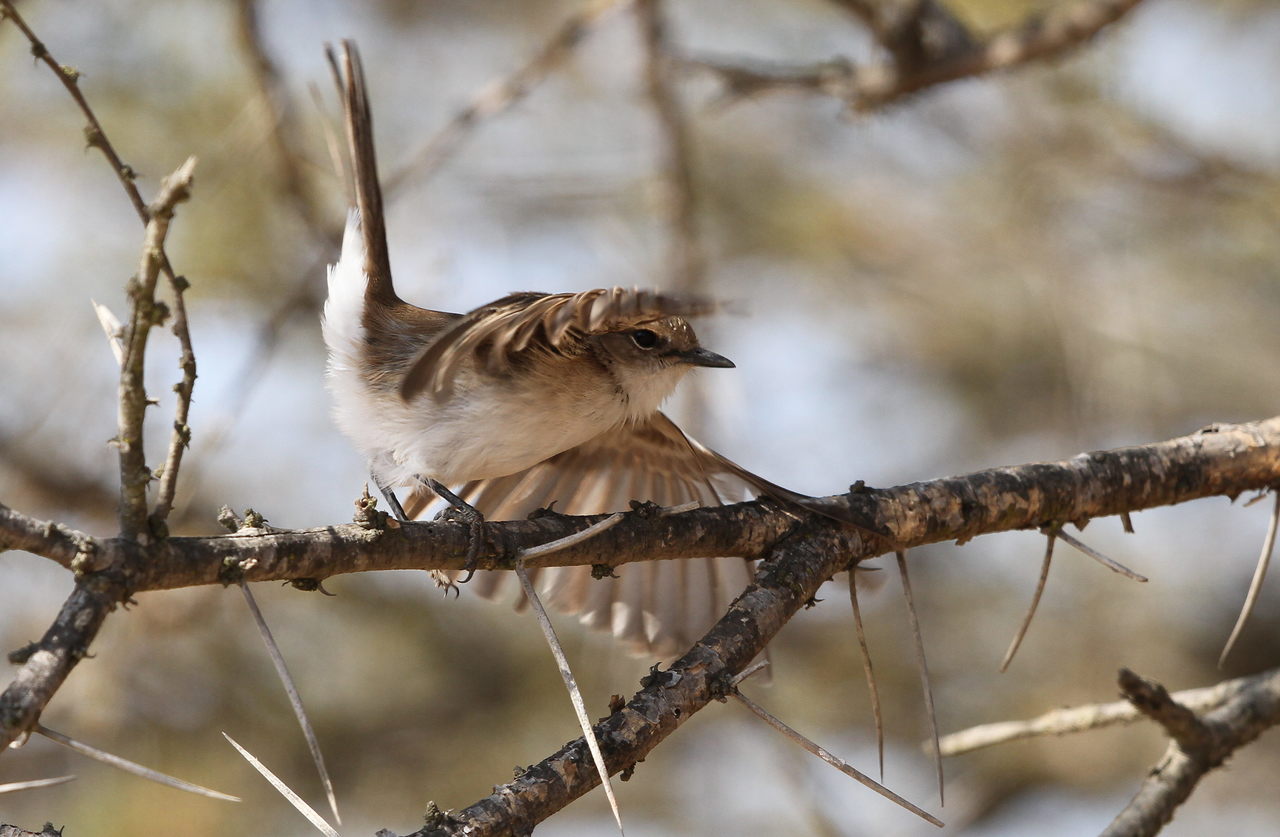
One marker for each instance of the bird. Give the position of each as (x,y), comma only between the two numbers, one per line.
(533,400)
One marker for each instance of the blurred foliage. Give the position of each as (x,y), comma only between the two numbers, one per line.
(1003,270)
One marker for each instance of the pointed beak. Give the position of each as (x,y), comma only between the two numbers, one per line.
(703,357)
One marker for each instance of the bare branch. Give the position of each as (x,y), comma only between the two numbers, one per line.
(97,138)
(1200,745)
(501,94)
(46,664)
(1089,717)
(134,474)
(686,263)
(42,537)
(285,134)
(916,66)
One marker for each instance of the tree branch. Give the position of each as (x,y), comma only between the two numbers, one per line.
(1201,743)
(928,47)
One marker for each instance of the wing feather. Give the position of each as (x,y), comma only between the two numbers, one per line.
(498,334)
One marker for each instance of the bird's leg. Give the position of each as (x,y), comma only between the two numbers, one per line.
(389,494)
(463,512)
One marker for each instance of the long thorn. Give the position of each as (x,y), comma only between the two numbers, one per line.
(1035,601)
(295,699)
(1255,586)
(31,784)
(872,689)
(925,683)
(1114,566)
(836,762)
(575,696)
(129,766)
(285,791)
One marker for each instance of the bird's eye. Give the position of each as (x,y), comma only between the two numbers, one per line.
(644,338)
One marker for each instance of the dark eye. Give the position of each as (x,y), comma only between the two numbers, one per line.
(644,338)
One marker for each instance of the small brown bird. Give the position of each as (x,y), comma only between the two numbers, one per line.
(530,400)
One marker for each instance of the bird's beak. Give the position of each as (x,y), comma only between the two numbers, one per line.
(703,357)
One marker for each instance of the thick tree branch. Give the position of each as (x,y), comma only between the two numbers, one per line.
(42,537)
(1221,460)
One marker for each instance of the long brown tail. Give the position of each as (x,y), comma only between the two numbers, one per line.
(368,193)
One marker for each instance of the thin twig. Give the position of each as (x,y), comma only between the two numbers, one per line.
(285,791)
(501,94)
(31,784)
(284,131)
(145,313)
(575,696)
(836,762)
(1085,718)
(872,689)
(131,767)
(96,137)
(1035,602)
(295,699)
(686,264)
(1255,585)
(925,683)
(1114,566)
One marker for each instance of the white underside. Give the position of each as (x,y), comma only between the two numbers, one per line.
(482,430)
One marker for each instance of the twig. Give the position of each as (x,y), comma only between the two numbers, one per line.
(575,695)
(295,700)
(1255,585)
(838,763)
(923,667)
(686,263)
(131,767)
(1089,717)
(1035,602)
(1114,566)
(501,94)
(96,137)
(284,131)
(145,313)
(872,689)
(285,791)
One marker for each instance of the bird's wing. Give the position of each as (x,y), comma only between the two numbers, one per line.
(497,334)
(656,607)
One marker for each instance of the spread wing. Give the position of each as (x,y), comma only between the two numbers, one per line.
(499,333)
(656,607)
